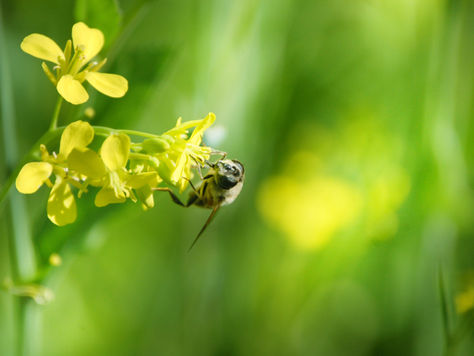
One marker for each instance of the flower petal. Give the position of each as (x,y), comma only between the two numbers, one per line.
(91,40)
(86,162)
(145,194)
(61,204)
(43,47)
(166,169)
(107,196)
(178,172)
(115,151)
(196,136)
(72,90)
(184,181)
(112,85)
(155,145)
(139,180)
(32,176)
(77,134)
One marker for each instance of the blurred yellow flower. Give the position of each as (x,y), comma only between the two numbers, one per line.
(465,300)
(70,71)
(310,212)
(338,179)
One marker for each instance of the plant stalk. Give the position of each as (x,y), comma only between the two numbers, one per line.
(22,257)
(54,120)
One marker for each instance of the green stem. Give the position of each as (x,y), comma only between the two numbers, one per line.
(107,131)
(137,133)
(57,109)
(22,250)
(140,156)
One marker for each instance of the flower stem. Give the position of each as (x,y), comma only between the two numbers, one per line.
(54,120)
(107,131)
(140,156)
(138,133)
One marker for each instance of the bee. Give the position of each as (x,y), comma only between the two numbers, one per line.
(221,186)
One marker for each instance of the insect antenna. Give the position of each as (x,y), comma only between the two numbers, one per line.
(209,219)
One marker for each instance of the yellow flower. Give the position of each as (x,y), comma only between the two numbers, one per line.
(177,161)
(70,68)
(119,173)
(118,182)
(145,193)
(61,206)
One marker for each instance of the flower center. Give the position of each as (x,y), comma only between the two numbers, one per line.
(77,61)
(118,185)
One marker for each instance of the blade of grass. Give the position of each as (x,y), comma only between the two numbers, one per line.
(445,310)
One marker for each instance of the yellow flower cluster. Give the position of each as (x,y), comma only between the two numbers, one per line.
(73,66)
(122,169)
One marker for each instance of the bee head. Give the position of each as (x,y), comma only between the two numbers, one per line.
(228,173)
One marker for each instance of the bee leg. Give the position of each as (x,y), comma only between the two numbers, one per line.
(199,167)
(191,183)
(222,153)
(200,175)
(174,197)
(192,199)
(210,164)
(194,196)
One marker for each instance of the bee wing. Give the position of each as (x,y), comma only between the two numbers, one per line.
(209,219)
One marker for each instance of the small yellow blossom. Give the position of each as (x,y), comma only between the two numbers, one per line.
(71,70)
(145,192)
(118,181)
(177,161)
(61,206)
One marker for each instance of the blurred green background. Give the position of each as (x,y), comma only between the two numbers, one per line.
(354,119)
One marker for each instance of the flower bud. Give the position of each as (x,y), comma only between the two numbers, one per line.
(155,145)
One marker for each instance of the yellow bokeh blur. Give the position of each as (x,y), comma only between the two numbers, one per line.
(341,178)
(309,212)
